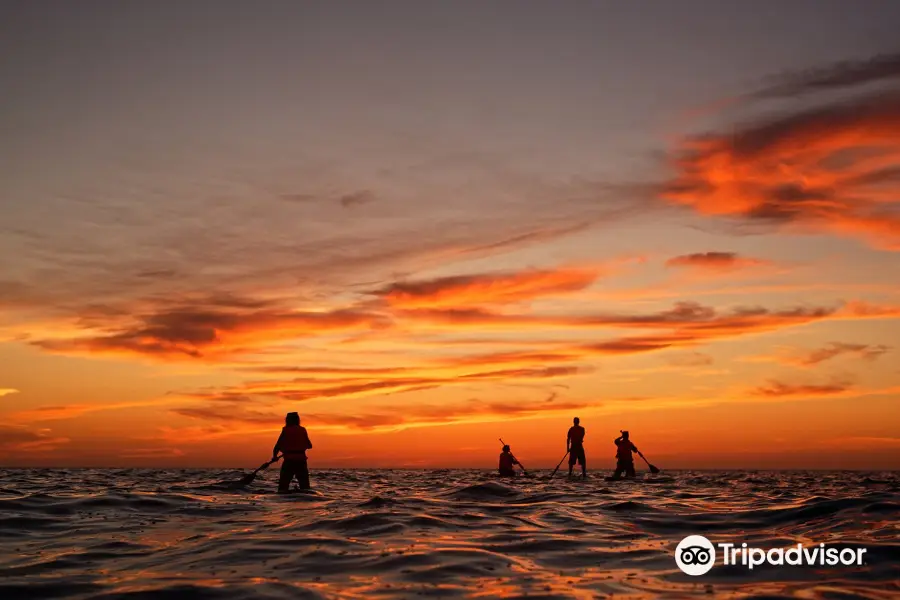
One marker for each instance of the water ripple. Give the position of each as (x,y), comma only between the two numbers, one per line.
(134,533)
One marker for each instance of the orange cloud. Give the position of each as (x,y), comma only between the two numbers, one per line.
(828,169)
(869,352)
(684,316)
(778,389)
(150,453)
(54,413)
(228,327)
(834,349)
(208,332)
(865,310)
(691,359)
(71,411)
(719,261)
(392,418)
(18,439)
(186,436)
(865,441)
(304,389)
(245,417)
(683,326)
(7,391)
(331,372)
(496,288)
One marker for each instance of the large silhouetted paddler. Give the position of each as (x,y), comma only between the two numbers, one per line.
(575,447)
(293,444)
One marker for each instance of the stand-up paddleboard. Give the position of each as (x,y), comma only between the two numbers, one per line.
(293,492)
(641,480)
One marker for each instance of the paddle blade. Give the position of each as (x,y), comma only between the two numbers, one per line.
(247,479)
(653,469)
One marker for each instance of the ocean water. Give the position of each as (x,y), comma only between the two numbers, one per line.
(113,533)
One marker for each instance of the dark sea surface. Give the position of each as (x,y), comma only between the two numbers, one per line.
(128,533)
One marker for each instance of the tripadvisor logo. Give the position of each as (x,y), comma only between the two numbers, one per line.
(696,555)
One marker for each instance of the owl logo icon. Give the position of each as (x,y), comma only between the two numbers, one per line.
(695,555)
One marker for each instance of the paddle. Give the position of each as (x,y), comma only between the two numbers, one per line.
(248,479)
(514,458)
(653,469)
(559,465)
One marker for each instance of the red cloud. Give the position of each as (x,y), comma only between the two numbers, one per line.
(831,169)
(210,331)
(497,288)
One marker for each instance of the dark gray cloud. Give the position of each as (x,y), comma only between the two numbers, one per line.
(357,198)
(845,74)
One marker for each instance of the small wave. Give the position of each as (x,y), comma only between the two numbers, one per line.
(480,491)
(882,507)
(628,506)
(378,502)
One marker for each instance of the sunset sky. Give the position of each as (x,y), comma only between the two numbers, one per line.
(426,225)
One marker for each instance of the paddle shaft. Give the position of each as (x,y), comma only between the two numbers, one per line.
(559,465)
(266,465)
(514,457)
(249,478)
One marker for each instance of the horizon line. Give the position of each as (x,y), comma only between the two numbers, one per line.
(489,469)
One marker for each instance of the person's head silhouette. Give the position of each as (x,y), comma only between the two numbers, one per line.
(576,420)
(292,418)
